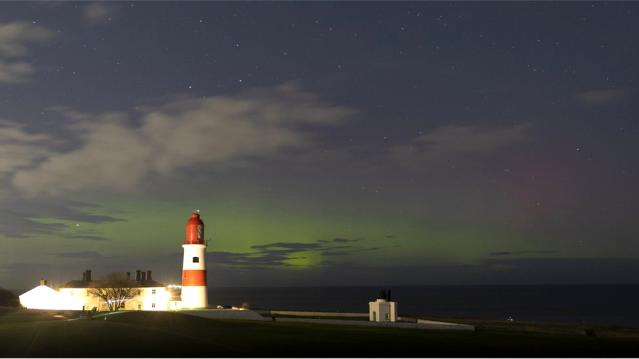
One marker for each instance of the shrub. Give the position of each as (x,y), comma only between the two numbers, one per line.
(8,299)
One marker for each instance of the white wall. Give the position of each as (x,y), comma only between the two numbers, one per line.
(150,298)
(44,297)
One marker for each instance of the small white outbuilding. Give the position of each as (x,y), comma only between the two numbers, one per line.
(382,309)
(45,297)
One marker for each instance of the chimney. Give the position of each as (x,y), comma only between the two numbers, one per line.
(43,282)
(143,276)
(88,275)
(148,275)
(84,276)
(137,276)
(128,275)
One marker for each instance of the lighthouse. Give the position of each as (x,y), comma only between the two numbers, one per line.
(194,265)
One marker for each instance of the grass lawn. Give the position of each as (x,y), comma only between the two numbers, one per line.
(145,334)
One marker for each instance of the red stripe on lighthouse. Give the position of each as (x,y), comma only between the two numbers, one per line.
(193,278)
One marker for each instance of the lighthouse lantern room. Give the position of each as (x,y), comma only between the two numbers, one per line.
(194,265)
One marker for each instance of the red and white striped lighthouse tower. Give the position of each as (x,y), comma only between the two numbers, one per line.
(194,265)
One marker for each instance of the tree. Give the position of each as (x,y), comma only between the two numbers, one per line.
(114,290)
(8,299)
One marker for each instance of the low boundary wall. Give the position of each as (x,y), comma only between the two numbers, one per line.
(317,314)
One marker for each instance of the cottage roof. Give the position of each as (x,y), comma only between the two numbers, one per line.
(105,284)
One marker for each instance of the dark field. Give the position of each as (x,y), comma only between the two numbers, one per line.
(144,334)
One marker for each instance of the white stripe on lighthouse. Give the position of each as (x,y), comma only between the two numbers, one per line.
(192,251)
(194,297)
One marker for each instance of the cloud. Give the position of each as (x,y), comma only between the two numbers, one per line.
(599,97)
(346,240)
(496,271)
(69,113)
(15,39)
(21,225)
(65,209)
(82,254)
(15,72)
(182,133)
(561,270)
(473,139)
(87,237)
(348,251)
(19,148)
(250,260)
(279,254)
(97,12)
(167,269)
(340,240)
(446,141)
(287,246)
(520,253)
(23,218)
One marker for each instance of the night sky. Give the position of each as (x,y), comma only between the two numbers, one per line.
(324,143)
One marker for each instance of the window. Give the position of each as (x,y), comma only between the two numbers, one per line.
(196,259)
(152,305)
(152,291)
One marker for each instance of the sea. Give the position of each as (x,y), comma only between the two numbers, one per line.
(607,305)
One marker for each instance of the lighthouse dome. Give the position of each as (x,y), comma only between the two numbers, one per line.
(194,230)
